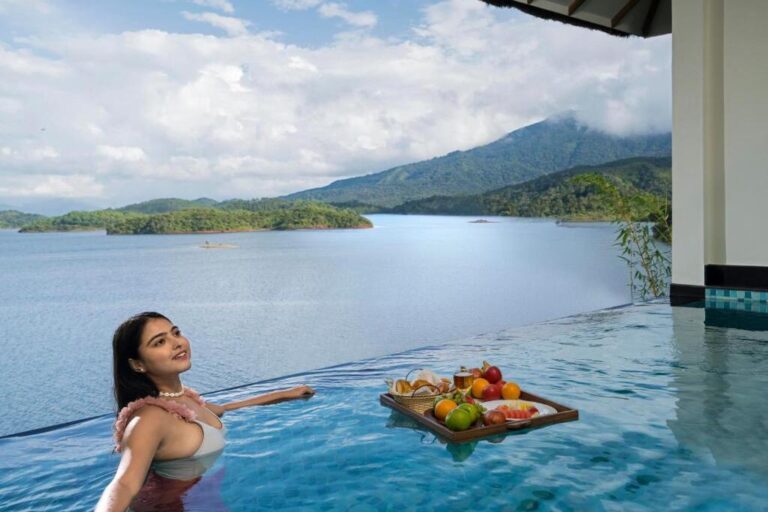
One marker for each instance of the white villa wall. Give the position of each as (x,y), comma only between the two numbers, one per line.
(746,131)
(719,135)
(688,141)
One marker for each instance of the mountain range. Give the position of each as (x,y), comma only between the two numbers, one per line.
(556,194)
(522,155)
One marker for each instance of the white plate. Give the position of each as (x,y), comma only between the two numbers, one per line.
(544,410)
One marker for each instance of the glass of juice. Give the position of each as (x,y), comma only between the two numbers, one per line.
(463,381)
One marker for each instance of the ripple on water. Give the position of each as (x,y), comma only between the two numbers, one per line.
(663,426)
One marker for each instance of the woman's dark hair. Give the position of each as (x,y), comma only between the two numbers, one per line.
(131,385)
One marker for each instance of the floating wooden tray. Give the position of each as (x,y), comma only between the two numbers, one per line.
(427,419)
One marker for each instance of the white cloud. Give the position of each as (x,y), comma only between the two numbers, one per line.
(24,62)
(29,151)
(222,5)
(122,153)
(364,19)
(44,153)
(299,63)
(161,113)
(230,25)
(296,5)
(51,185)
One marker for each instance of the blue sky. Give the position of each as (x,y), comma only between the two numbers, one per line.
(105,103)
(297,24)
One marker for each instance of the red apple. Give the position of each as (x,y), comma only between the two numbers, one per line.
(492,374)
(492,392)
(494,418)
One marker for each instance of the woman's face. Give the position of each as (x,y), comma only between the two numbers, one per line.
(163,350)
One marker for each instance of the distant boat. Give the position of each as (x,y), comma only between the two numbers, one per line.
(481,221)
(209,245)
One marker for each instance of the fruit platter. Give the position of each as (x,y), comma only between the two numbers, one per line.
(475,403)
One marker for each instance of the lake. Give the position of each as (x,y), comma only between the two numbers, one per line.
(281,302)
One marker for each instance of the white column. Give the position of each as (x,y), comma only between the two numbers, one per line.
(697,139)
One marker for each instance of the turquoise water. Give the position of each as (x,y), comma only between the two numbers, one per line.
(671,418)
(280,303)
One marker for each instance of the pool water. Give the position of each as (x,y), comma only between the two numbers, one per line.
(672,417)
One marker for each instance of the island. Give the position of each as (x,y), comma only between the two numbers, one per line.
(225,217)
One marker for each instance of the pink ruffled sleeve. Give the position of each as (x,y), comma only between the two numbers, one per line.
(179,410)
(194,395)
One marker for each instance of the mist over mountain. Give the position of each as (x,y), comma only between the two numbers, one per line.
(48,205)
(522,155)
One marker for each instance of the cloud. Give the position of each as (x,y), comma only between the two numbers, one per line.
(230,25)
(27,152)
(122,153)
(296,5)
(51,185)
(222,5)
(365,19)
(26,63)
(362,19)
(152,113)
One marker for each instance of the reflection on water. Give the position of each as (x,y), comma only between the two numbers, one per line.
(720,377)
(282,302)
(671,418)
(166,495)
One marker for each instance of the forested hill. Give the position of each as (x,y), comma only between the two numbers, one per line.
(226,216)
(556,195)
(170,204)
(520,156)
(15,219)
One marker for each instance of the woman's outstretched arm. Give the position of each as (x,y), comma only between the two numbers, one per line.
(272,397)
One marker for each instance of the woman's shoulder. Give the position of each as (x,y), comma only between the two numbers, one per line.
(150,413)
(153,413)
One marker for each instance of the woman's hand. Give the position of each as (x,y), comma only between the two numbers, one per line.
(273,397)
(299,392)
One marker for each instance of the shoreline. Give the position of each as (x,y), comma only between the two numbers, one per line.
(206,232)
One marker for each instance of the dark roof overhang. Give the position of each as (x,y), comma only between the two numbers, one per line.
(643,18)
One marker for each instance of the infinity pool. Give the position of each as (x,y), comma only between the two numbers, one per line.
(672,418)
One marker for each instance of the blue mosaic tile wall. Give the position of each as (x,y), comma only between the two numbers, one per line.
(741,300)
(723,294)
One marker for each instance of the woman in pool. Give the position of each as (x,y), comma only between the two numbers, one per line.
(168,436)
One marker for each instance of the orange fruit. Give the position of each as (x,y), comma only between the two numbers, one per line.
(478,386)
(510,391)
(443,407)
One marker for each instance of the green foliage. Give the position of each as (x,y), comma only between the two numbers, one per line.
(518,157)
(262,205)
(361,207)
(78,221)
(304,216)
(556,194)
(649,265)
(10,219)
(168,205)
(263,215)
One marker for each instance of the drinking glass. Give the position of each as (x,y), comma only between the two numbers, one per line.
(463,381)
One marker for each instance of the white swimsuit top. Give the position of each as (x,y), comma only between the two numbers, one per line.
(187,468)
(194,466)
